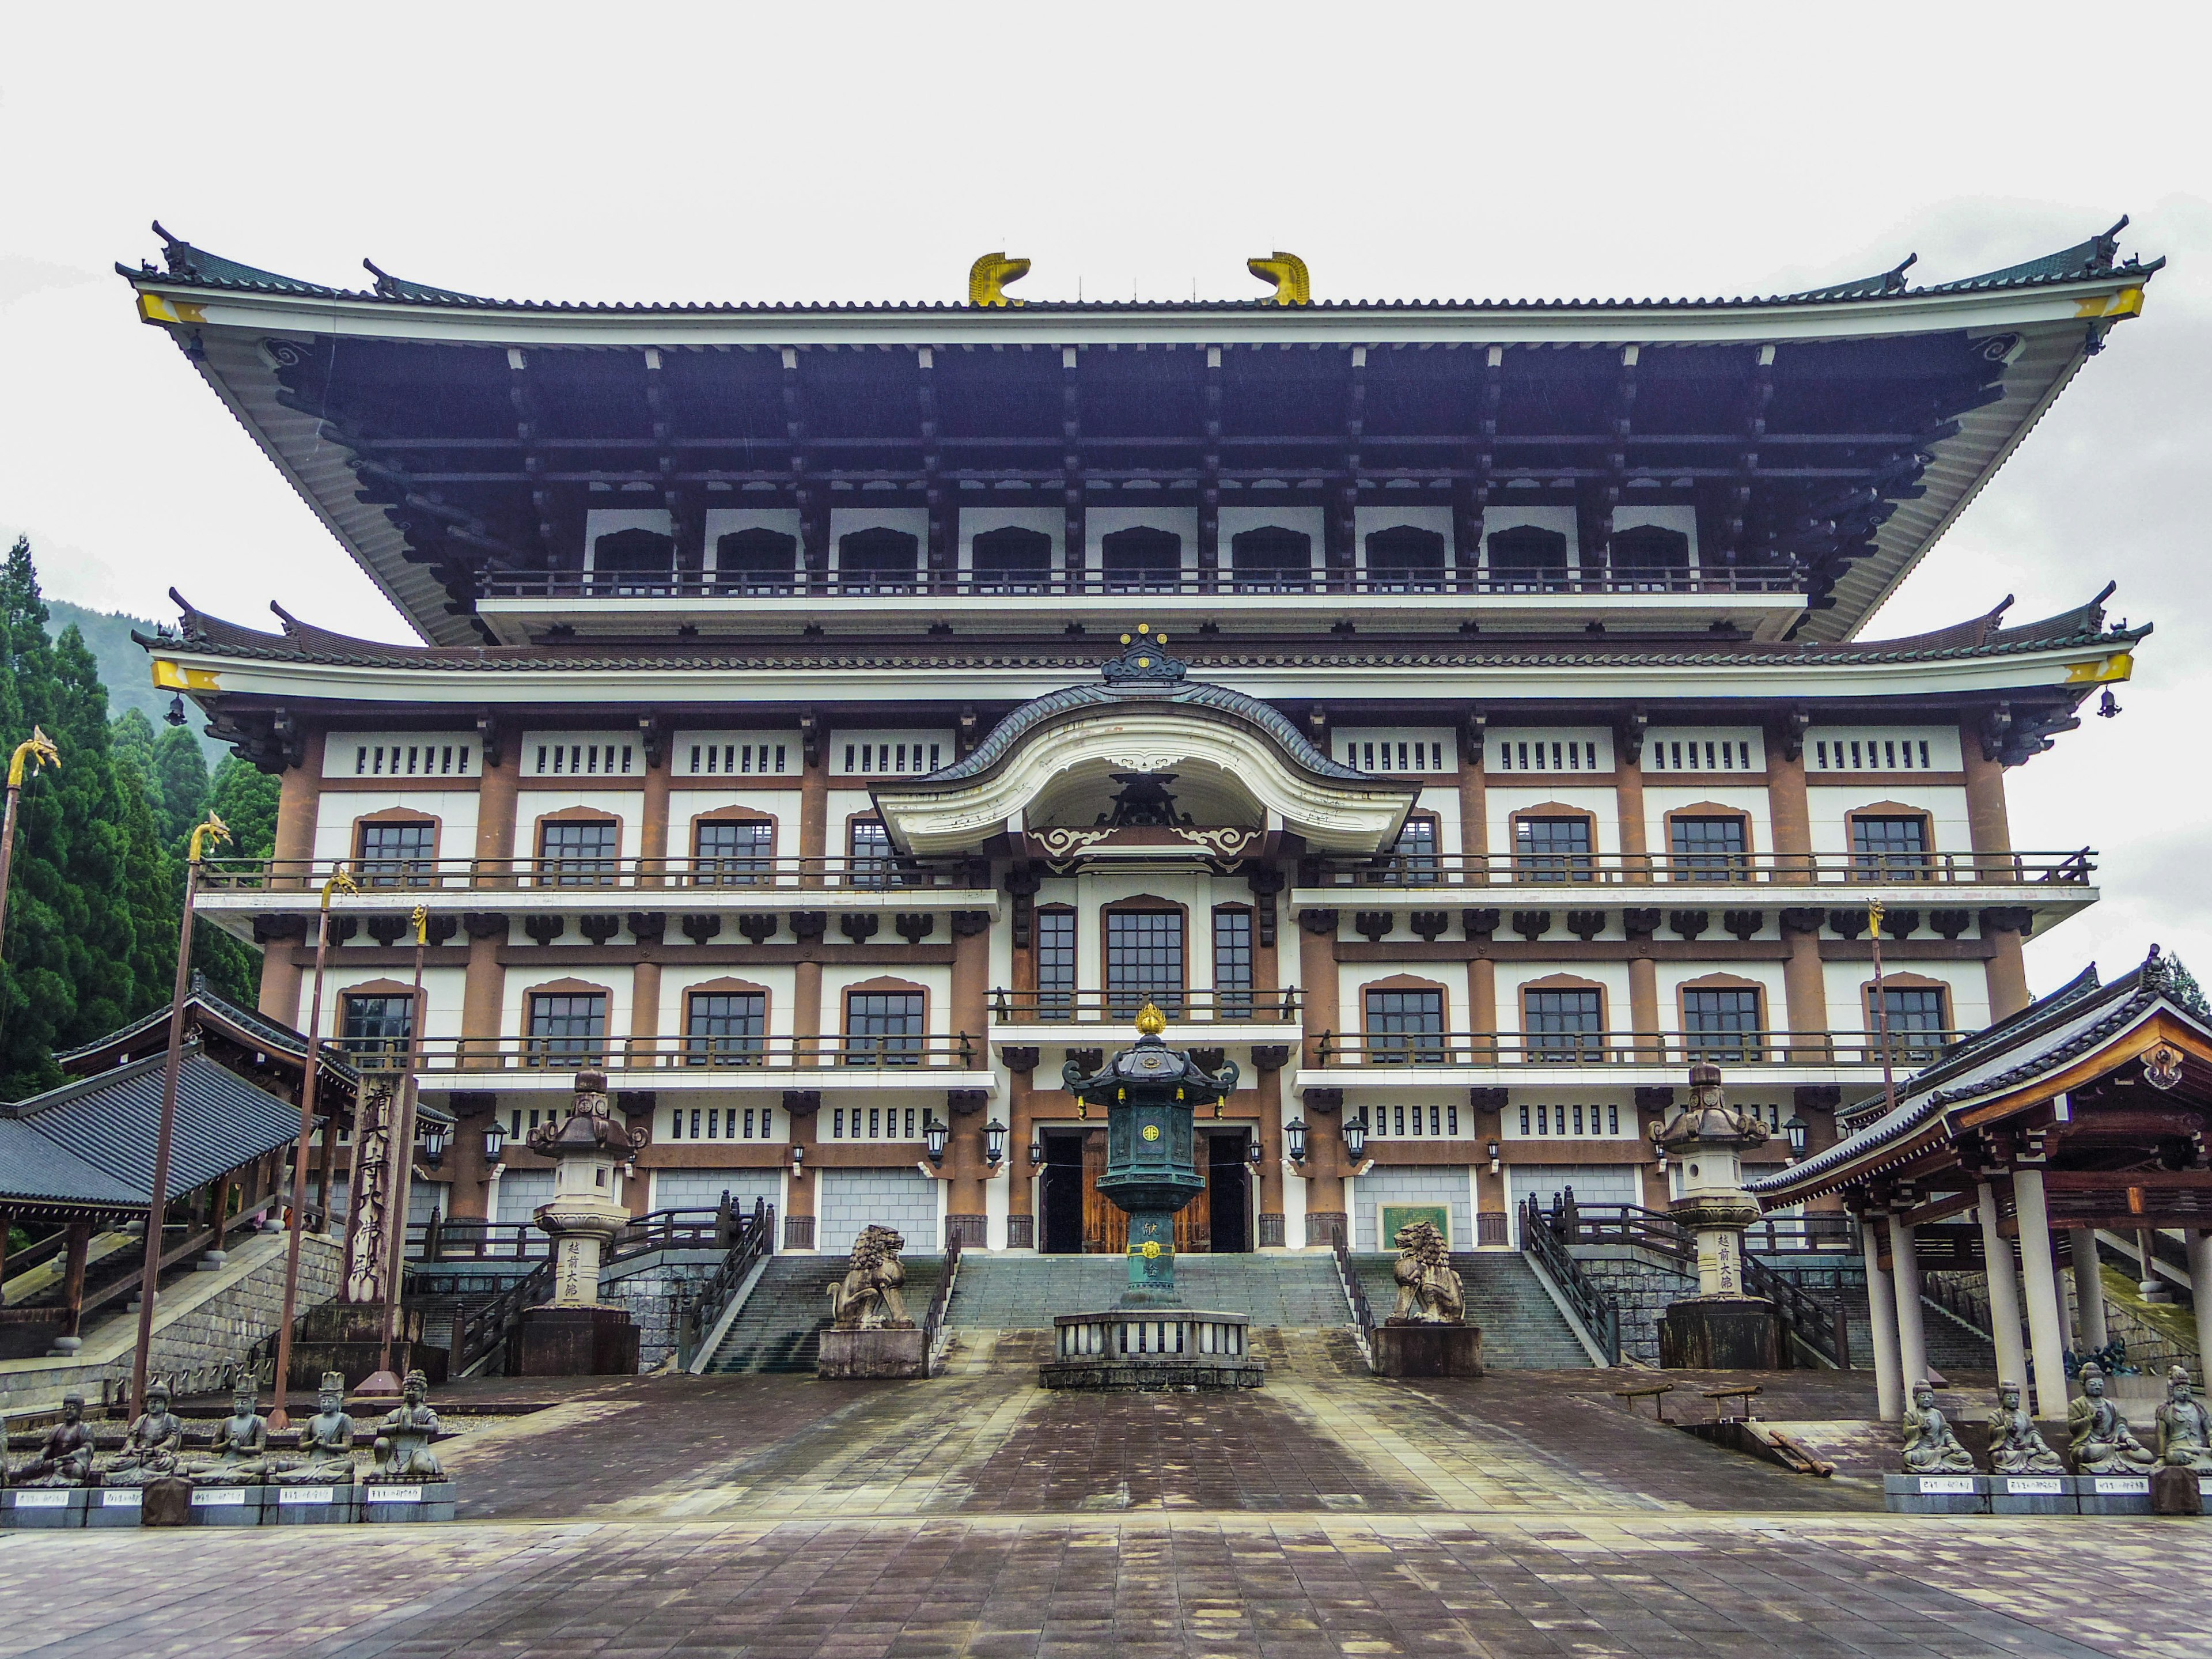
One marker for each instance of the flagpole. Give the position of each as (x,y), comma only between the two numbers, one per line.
(39,750)
(400,1160)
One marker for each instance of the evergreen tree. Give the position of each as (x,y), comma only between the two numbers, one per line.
(155,886)
(132,737)
(180,770)
(245,798)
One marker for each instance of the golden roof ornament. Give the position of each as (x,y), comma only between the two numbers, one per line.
(1150,1022)
(988,277)
(1293,287)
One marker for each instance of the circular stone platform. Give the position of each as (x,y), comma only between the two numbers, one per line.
(1146,1350)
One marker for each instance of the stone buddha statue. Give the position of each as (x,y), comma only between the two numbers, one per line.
(2099,1434)
(2016,1445)
(2184,1426)
(325,1440)
(151,1447)
(1930,1448)
(403,1438)
(240,1447)
(65,1459)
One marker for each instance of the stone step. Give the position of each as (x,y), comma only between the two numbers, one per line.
(780,1327)
(1522,1328)
(997,1292)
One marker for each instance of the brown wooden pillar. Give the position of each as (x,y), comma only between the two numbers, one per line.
(1270,1207)
(652,819)
(1805,984)
(484,988)
(1628,803)
(804,1108)
(1789,811)
(968,1109)
(814,811)
(1021,1175)
(1324,1165)
(80,1248)
(299,800)
(1482,1006)
(1987,822)
(1473,807)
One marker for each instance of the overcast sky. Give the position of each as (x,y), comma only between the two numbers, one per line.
(857,152)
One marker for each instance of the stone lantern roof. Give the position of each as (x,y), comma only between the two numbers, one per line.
(589,1128)
(1706,1119)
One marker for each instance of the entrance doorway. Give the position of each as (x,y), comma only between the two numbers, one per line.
(1228,1196)
(1059,1194)
(1073,1218)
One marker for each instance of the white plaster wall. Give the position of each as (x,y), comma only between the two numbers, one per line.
(1613,975)
(626,804)
(1630,514)
(1504,513)
(728,520)
(912,520)
(686,804)
(1309,521)
(337,810)
(607,521)
(937,981)
(1968,981)
(1767,976)
(1353,977)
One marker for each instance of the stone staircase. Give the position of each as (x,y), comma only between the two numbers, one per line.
(780,1327)
(1953,1345)
(1522,1328)
(1005,1292)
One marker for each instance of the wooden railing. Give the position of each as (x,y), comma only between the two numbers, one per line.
(724,879)
(1202,1008)
(1454,1048)
(478,1331)
(755,1240)
(940,1299)
(1578,1223)
(1599,1315)
(1574,871)
(445,1239)
(1355,1293)
(832,1053)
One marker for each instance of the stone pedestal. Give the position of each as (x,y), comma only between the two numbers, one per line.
(307,1506)
(2034,1494)
(117,1506)
(559,1341)
(1721,1333)
(1935,1494)
(348,1336)
(387,1502)
(879,1355)
(2176,1491)
(43,1507)
(228,1506)
(1152,1351)
(1409,1349)
(2113,1494)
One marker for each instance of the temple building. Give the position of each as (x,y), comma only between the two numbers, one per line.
(832,719)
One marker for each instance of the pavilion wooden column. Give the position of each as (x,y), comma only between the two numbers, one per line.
(1628,803)
(1986,820)
(1271,1233)
(813,816)
(1805,984)
(1324,1164)
(2200,1290)
(299,802)
(1789,814)
(966,1216)
(2004,1291)
(1021,1174)
(804,1108)
(1904,1276)
(2046,1328)
(80,1250)
(1881,1324)
(1482,1005)
(2089,1291)
(483,987)
(1473,807)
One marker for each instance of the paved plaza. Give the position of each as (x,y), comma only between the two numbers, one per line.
(1331,1514)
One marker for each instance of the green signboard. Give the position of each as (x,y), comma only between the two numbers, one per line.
(1391,1216)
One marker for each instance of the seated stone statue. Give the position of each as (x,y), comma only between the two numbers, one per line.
(2099,1434)
(240,1448)
(1930,1448)
(403,1438)
(1429,1291)
(151,1448)
(2184,1426)
(325,1440)
(869,1296)
(2016,1445)
(65,1460)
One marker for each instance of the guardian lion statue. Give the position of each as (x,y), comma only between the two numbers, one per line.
(869,1296)
(1429,1291)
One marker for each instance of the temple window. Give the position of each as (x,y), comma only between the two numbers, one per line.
(568,1029)
(1404,560)
(1722,1025)
(632,563)
(883,1028)
(376,1024)
(1144,961)
(579,852)
(725,1027)
(1889,846)
(1918,1018)
(758,562)
(878,562)
(1709,849)
(1232,962)
(1548,849)
(399,852)
(1412,857)
(1055,963)
(1271,561)
(1564,1025)
(1528,560)
(734,851)
(1647,559)
(868,849)
(1012,560)
(1141,560)
(1406,1028)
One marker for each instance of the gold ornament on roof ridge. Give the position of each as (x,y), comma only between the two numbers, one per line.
(1293,287)
(988,277)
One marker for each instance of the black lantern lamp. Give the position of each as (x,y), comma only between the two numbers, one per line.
(1796,1129)
(797,1162)
(994,1142)
(933,1137)
(1295,1133)
(435,1136)
(1255,1152)
(1493,1157)
(1036,1152)
(1355,1137)
(495,1143)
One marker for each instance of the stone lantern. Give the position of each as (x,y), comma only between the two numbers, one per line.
(1721,1327)
(574,1335)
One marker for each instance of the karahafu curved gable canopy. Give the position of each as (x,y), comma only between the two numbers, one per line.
(1057,758)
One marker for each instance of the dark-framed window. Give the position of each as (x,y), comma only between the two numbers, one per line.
(1647,559)
(568,1028)
(1563,1024)
(1404,560)
(1528,560)
(1055,963)
(734,851)
(1918,1017)
(1889,846)
(1011,559)
(631,563)
(757,561)
(1144,960)
(397,853)
(725,1028)
(878,562)
(869,860)
(580,852)
(1411,860)
(1721,1023)
(1715,848)
(374,1026)
(1271,561)
(1406,1028)
(1552,850)
(1141,560)
(1232,962)
(883,1028)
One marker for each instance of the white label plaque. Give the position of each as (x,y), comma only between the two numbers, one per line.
(2035,1486)
(394,1494)
(1946,1485)
(2124,1486)
(220,1497)
(122,1497)
(305,1495)
(42,1500)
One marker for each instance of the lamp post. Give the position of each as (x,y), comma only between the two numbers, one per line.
(38,751)
(341,881)
(401,1162)
(157,1199)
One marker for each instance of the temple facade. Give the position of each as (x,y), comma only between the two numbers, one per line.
(831,720)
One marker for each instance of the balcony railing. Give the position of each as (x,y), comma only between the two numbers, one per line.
(828,1055)
(734,875)
(1578,1223)
(1572,870)
(1409,1048)
(1057,584)
(1119,1008)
